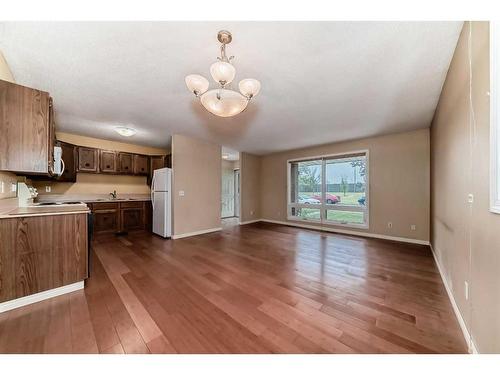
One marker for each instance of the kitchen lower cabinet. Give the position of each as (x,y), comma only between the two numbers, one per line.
(132,216)
(120,217)
(40,253)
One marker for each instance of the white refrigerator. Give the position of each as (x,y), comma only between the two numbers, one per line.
(161,200)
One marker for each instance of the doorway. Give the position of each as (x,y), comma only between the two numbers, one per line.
(230,187)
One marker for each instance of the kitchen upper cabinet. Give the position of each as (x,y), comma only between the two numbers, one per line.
(108,161)
(87,159)
(141,165)
(155,162)
(126,163)
(69,157)
(25,129)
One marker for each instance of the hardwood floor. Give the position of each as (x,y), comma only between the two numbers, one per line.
(258,288)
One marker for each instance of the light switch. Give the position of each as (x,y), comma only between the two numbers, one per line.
(181,193)
(13,187)
(2,187)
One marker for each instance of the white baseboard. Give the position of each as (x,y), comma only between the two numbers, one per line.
(351,232)
(467,336)
(23,301)
(205,231)
(250,221)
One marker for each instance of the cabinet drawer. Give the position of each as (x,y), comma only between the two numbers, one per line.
(104,206)
(131,204)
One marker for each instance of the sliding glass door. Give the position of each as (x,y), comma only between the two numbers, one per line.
(330,189)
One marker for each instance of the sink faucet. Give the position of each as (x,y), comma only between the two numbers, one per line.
(113,194)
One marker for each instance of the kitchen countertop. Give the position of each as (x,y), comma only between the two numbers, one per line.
(44,211)
(92,198)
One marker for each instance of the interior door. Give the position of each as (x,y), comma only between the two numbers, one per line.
(227,199)
(237,192)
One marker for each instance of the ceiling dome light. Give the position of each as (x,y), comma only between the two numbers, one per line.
(124,131)
(197,84)
(249,87)
(223,102)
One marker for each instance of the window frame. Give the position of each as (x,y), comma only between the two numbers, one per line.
(494,118)
(323,207)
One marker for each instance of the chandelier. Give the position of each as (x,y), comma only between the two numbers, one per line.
(223,101)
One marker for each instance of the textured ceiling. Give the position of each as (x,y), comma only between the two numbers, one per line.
(321,81)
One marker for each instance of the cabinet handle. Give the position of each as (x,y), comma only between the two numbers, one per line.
(107,166)
(87,164)
(126,167)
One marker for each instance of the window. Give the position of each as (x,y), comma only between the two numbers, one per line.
(329,189)
(494,123)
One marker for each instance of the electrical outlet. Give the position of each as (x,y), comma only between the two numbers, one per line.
(251,213)
(466,290)
(413,227)
(470,198)
(389,224)
(48,189)
(181,193)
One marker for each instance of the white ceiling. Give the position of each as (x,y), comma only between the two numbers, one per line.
(321,81)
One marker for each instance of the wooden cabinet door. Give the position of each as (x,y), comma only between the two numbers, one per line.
(141,165)
(132,219)
(107,161)
(41,253)
(126,163)
(69,158)
(155,162)
(106,219)
(24,129)
(87,159)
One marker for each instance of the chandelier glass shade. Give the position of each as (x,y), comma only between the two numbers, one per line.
(223,101)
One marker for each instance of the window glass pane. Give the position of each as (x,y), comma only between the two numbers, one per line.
(345,217)
(346,181)
(306,213)
(306,179)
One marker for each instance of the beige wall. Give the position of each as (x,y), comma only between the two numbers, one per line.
(250,187)
(398,174)
(90,183)
(467,238)
(6,177)
(196,171)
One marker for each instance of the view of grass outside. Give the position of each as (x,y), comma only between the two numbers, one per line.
(345,216)
(332,215)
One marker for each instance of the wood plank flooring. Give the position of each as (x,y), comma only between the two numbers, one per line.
(258,288)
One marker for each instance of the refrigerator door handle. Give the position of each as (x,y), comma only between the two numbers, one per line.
(152,193)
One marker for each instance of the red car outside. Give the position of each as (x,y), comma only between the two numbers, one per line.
(330,198)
